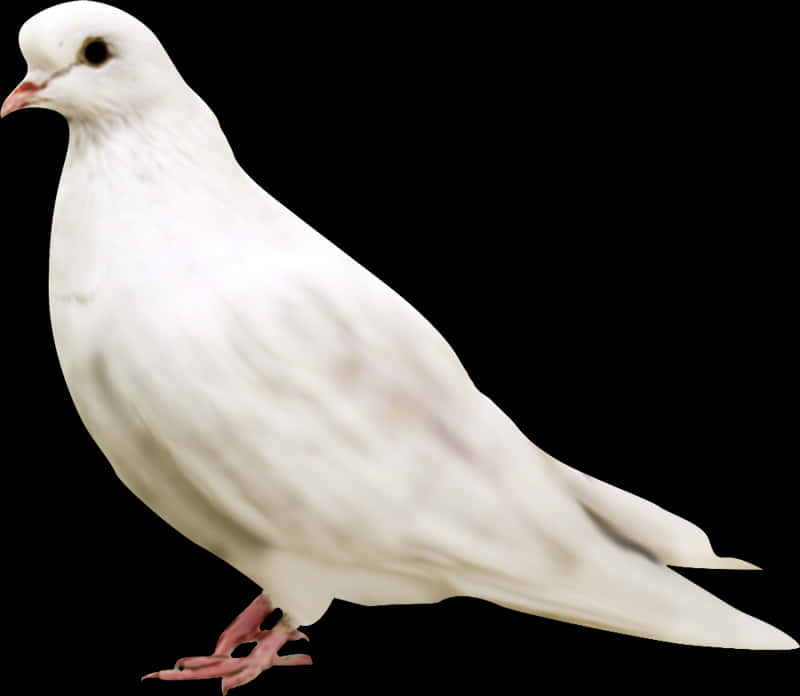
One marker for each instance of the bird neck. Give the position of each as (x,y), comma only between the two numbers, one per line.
(175,138)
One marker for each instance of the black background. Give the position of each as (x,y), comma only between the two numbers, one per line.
(594,209)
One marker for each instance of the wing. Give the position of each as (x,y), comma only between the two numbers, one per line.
(371,424)
(357,434)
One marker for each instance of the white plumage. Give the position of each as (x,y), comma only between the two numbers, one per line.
(283,408)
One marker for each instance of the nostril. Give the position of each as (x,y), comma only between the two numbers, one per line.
(27,88)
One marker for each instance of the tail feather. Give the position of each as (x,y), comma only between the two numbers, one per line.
(617,580)
(634,596)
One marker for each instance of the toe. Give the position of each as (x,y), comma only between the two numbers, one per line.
(290,660)
(200,668)
(244,676)
(197,662)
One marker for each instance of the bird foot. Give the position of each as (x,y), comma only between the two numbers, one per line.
(235,671)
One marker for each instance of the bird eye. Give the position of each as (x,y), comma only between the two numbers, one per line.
(94,52)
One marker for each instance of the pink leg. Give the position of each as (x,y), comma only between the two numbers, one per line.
(235,671)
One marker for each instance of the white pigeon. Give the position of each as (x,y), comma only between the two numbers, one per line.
(283,408)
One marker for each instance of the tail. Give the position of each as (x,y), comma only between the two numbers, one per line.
(637,522)
(627,593)
(624,586)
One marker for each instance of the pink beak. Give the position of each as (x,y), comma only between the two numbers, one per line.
(21,97)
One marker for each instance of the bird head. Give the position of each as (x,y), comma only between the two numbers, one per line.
(87,60)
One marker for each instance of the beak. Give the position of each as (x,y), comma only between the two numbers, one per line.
(23,95)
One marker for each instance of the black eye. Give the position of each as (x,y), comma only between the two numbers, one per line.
(95,52)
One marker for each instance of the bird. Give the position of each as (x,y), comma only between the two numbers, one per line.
(286,410)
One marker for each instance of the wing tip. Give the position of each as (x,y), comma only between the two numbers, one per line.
(727,563)
(713,562)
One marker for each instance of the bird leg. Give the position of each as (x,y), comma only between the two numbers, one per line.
(235,671)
